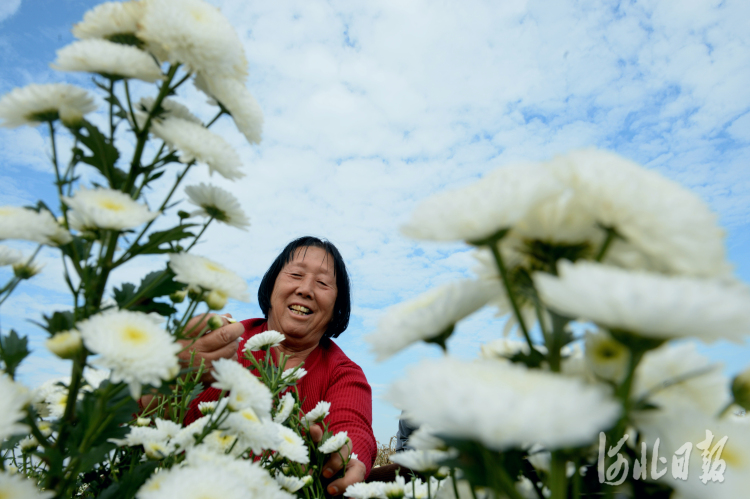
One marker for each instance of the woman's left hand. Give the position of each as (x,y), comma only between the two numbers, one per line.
(355,469)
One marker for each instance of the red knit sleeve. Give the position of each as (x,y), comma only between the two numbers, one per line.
(351,410)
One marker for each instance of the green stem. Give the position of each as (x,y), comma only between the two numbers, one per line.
(555,348)
(611,234)
(214,119)
(511,295)
(558,480)
(111,111)
(205,226)
(130,108)
(130,252)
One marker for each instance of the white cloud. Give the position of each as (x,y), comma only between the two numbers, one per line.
(8,8)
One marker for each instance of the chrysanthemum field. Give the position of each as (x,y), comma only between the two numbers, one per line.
(607,273)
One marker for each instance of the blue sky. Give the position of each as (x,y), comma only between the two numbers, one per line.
(370,107)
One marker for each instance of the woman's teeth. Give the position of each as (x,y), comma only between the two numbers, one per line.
(300,310)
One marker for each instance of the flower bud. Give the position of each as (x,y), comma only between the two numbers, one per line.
(71,117)
(741,389)
(143,421)
(26,270)
(66,344)
(28,444)
(216,300)
(215,322)
(178,296)
(194,293)
(606,357)
(183,214)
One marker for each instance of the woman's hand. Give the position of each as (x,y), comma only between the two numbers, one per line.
(220,343)
(355,470)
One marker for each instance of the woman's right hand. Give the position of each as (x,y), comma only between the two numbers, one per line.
(221,343)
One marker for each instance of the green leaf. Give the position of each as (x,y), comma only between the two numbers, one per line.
(13,349)
(124,294)
(164,237)
(58,321)
(159,283)
(155,284)
(104,155)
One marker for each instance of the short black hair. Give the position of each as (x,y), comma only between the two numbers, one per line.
(342,308)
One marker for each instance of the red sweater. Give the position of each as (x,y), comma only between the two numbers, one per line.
(331,376)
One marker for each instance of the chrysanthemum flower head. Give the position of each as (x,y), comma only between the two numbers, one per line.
(9,256)
(285,408)
(217,203)
(245,388)
(334,443)
(290,483)
(431,316)
(37,103)
(133,346)
(292,446)
(293,374)
(364,490)
(201,273)
(29,225)
(646,304)
(232,94)
(264,341)
(15,398)
(317,414)
(169,108)
(50,397)
(193,33)
(606,357)
(478,211)
(101,208)
(422,460)
(110,20)
(17,485)
(463,400)
(65,344)
(109,59)
(196,142)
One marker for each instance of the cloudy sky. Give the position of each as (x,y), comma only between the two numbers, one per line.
(372,106)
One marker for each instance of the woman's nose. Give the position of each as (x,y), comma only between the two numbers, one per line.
(305,286)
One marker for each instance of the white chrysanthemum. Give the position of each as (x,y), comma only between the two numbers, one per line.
(483,208)
(430,315)
(217,203)
(108,59)
(207,407)
(650,305)
(290,483)
(672,227)
(335,443)
(317,414)
(674,430)
(195,142)
(677,378)
(423,439)
(26,224)
(264,341)
(169,109)
(606,357)
(245,389)
(293,374)
(106,209)
(28,444)
(221,442)
(95,377)
(133,346)
(422,460)
(504,348)
(470,400)
(15,397)
(51,397)
(185,439)
(193,33)
(285,408)
(364,490)
(234,96)
(292,446)
(420,490)
(109,19)
(9,256)
(395,489)
(199,272)
(255,434)
(34,104)
(17,486)
(157,441)
(191,483)
(65,344)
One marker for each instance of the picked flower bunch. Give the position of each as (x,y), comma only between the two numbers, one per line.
(603,270)
(89,434)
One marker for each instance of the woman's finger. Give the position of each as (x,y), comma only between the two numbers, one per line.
(355,473)
(336,461)
(219,338)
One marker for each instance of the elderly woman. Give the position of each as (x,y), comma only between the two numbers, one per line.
(305,295)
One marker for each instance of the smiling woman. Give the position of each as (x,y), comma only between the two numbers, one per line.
(305,295)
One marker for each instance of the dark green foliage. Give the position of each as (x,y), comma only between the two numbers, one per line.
(13,349)
(155,284)
(103,156)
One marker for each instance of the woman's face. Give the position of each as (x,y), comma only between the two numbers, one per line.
(303,296)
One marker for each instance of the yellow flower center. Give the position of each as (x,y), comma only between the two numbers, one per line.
(732,458)
(111,205)
(289,439)
(214,267)
(134,335)
(250,415)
